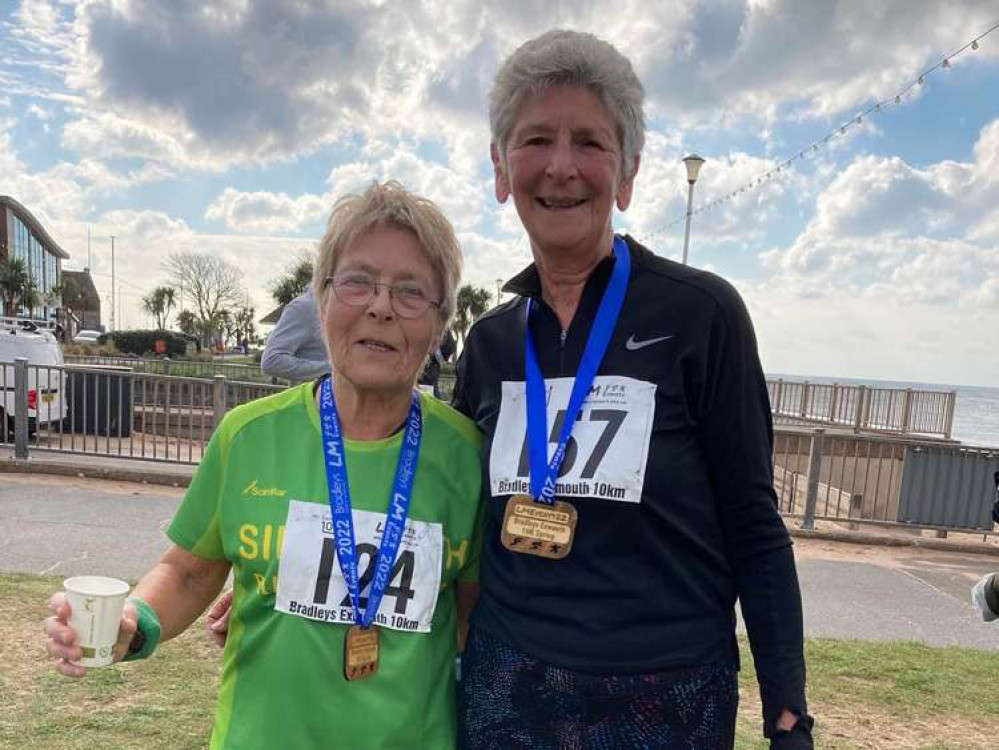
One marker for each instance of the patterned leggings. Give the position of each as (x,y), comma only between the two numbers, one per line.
(510,701)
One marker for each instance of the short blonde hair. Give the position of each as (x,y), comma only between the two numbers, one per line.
(389,204)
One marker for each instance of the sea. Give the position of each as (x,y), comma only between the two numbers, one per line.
(976,411)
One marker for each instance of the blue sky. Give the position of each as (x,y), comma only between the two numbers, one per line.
(232,127)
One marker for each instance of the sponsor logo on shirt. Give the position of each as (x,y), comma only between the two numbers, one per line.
(254,490)
(633,344)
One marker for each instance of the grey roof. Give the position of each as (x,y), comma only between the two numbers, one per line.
(34,225)
(273,316)
(84,283)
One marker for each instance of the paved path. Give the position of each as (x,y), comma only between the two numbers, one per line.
(882,594)
(67,526)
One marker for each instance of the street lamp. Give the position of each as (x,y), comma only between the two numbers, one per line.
(112,284)
(499,291)
(693,164)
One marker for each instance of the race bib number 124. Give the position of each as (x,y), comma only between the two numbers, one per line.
(311,585)
(608,447)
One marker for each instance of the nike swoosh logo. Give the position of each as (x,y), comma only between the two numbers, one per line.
(633,346)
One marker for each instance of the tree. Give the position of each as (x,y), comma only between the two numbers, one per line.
(225,326)
(17,286)
(472,302)
(285,288)
(244,324)
(53,296)
(74,298)
(158,303)
(213,283)
(187,322)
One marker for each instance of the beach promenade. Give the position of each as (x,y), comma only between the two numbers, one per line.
(67,525)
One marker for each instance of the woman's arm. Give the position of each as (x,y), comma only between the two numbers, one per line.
(736,434)
(178,589)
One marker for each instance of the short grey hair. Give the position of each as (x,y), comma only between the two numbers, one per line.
(389,204)
(571,58)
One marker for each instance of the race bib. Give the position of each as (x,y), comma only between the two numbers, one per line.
(311,585)
(607,450)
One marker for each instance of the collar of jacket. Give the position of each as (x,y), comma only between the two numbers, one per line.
(527,283)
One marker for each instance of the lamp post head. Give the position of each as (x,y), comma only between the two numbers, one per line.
(693,164)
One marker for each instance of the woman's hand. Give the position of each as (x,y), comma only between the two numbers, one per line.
(217,619)
(63,643)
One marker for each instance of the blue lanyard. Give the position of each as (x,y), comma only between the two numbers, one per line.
(544,473)
(339,490)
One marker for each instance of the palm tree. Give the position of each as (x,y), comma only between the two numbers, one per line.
(159,302)
(471,303)
(293,282)
(244,323)
(17,286)
(187,322)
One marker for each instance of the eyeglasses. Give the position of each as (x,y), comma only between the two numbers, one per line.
(408,298)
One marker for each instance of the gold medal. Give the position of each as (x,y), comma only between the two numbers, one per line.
(538,529)
(360,652)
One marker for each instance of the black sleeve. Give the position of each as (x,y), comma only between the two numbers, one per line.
(736,435)
(448,345)
(460,396)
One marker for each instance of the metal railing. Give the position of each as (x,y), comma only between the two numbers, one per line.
(181,367)
(115,411)
(862,407)
(118,412)
(854,478)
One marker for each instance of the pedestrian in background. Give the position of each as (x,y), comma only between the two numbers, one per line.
(295,349)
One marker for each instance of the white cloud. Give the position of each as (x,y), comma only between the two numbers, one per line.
(881,214)
(462,198)
(264,213)
(660,200)
(66,189)
(222,84)
(876,338)
(38,112)
(821,58)
(142,91)
(143,239)
(896,265)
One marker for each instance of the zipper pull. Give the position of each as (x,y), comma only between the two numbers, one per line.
(561,339)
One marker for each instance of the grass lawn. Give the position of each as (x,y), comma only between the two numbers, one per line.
(870,696)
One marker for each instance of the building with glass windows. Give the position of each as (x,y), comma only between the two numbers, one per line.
(22,236)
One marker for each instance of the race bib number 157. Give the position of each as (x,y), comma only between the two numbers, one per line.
(311,585)
(608,447)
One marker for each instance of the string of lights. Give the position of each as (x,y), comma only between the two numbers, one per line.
(782,167)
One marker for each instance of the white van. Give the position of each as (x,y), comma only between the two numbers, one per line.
(20,337)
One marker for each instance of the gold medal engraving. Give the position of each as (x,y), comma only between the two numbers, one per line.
(360,652)
(538,529)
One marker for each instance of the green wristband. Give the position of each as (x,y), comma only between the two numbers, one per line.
(147,631)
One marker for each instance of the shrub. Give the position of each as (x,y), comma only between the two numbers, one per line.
(103,349)
(141,343)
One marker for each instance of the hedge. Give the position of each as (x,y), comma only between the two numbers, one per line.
(144,342)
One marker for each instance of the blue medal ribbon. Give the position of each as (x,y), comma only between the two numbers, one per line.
(543,472)
(339,492)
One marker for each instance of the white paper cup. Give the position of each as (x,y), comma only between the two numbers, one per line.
(96,604)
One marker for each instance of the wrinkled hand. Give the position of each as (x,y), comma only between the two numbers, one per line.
(217,619)
(62,644)
(798,738)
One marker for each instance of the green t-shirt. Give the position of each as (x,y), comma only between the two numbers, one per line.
(282,674)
